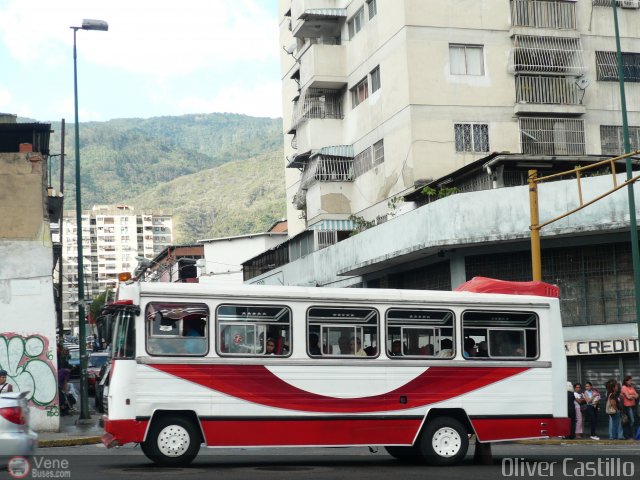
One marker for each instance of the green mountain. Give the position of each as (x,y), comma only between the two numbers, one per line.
(131,160)
(240,197)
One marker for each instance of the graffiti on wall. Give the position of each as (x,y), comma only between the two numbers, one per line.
(29,366)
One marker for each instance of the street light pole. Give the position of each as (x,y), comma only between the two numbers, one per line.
(99,25)
(633,226)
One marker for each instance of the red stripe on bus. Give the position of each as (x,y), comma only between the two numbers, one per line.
(256,384)
(325,432)
(492,429)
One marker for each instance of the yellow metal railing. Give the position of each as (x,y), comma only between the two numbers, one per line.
(536,226)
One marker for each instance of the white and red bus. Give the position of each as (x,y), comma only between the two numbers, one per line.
(417,372)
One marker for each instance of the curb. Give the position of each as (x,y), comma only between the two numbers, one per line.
(561,441)
(69,442)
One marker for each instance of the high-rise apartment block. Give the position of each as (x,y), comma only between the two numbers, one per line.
(112,237)
(383,95)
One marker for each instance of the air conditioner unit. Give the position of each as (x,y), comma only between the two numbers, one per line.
(630,3)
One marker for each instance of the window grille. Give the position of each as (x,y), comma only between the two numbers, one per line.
(466,59)
(552,136)
(326,238)
(471,137)
(378,152)
(607,66)
(539,89)
(362,162)
(619,3)
(360,92)
(556,55)
(543,14)
(324,168)
(375,79)
(612,140)
(317,103)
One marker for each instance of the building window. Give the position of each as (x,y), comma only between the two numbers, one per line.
(378,152)
(342,331)
(356,23)
(360,92)
(466,59)
(373,8)
(362,162)
(375,79)
(607,66)
(472,137)
(504,335)
(612,140)
(255,330)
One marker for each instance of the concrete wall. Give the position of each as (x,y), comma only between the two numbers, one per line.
(27,312)
(462,220)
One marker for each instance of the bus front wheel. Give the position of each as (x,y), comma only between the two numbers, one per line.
(444,441)
(172,441)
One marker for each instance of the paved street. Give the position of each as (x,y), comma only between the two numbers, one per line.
(510,461)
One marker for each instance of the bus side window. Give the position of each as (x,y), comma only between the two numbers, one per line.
(176,329)
(254,330)
(334,331)
(504,335)
(416,333)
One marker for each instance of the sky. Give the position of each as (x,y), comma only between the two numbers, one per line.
(159,57)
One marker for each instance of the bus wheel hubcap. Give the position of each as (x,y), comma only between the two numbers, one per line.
(446,442)
(173,440)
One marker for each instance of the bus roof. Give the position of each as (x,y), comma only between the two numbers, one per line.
(378,295)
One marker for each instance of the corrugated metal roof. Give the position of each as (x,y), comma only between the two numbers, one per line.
(324,12)
(345,151)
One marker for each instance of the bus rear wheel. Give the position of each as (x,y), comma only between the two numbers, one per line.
(444,441)
(172,441)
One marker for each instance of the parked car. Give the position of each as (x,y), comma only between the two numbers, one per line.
(16,438)
(102,387)
(96,361)
(74,361)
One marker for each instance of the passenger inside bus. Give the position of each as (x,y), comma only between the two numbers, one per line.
(446,348)
(270,349)
(396,349)
(355,347)
(314,349)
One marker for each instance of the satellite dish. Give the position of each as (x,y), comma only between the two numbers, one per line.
(582,82)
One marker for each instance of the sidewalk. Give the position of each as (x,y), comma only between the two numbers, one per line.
(73,431)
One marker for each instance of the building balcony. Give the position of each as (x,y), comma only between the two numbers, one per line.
(323,66)
(559,15)
(316,18)
(549,94)
(552,136)
(315,133)
(562,56)
(317,103)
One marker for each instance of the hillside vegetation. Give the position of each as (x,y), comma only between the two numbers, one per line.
(172,163)
(240,197)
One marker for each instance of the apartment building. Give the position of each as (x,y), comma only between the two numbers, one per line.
(112,237)
(382,95)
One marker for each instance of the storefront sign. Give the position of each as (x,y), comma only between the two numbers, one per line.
(602,347)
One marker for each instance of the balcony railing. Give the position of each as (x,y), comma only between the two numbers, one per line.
(547,90)
(546,55)
(317,103)
(552,136)
(327,169)
(543,14)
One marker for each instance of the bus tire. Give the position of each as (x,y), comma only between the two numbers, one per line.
(172,441)
(404,454)
(444,441)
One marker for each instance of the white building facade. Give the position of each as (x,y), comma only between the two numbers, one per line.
(112,237)
(381,95)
